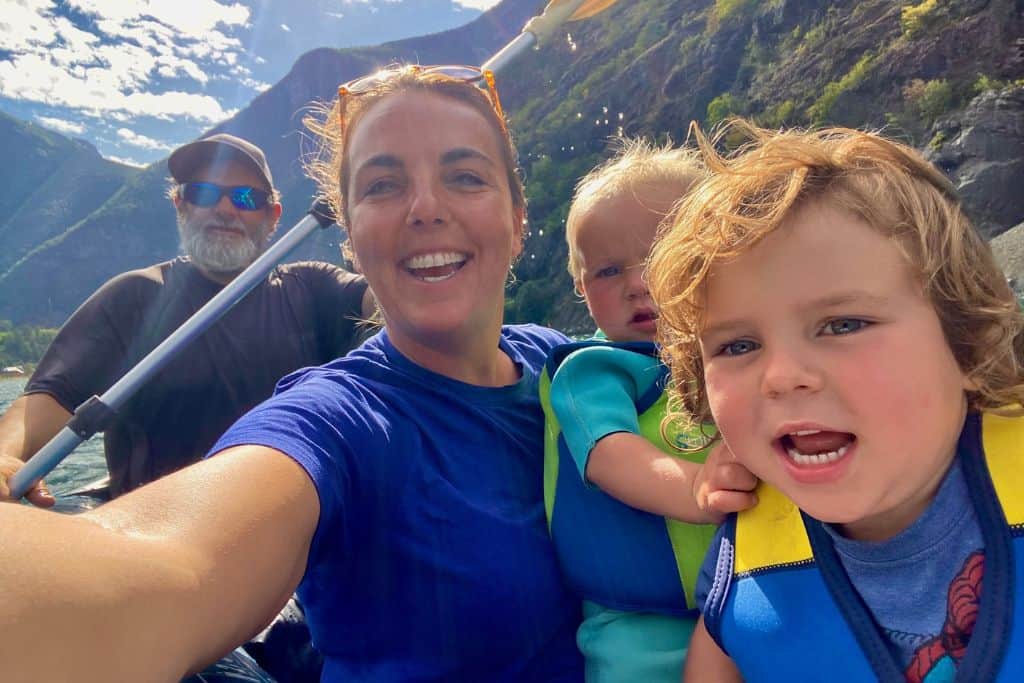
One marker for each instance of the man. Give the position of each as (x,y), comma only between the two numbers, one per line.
(302,314)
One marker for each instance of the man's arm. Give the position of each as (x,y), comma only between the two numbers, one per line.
(85,358)
(162,581)
(369,304)
(339,303)
(29,423)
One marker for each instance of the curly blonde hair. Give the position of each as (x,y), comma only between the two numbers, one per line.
(887,185)
(637,163)
(332,124)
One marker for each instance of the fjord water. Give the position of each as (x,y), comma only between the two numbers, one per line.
(85,465)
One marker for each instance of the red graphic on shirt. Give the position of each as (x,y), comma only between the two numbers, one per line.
(961,614)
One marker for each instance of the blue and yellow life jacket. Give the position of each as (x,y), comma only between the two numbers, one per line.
(782,607)
(610,553)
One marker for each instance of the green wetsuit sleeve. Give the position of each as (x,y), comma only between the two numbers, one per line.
(594,394)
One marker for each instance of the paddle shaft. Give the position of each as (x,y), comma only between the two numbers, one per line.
(537,30)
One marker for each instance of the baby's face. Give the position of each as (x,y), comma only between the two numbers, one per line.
(613,240)
(828,373)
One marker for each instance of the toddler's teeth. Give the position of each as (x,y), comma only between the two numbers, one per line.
(816,458)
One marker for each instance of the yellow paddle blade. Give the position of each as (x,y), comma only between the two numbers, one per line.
(584,10)
(589,8)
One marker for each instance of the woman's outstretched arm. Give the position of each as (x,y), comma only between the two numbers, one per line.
(160,582)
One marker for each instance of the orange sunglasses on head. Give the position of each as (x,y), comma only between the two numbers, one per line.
(467,74)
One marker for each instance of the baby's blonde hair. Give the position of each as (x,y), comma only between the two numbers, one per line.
(638,163)
(887,185)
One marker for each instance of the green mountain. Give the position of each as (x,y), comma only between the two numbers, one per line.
(946,76)
(51,184)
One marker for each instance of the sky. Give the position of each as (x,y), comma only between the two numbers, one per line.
(136,78)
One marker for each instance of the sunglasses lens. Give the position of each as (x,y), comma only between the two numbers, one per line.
(462,73)
(201,194)
(242,197)
(467,74)
(248,198)
(366,83)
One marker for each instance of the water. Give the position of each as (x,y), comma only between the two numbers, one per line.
(84,466)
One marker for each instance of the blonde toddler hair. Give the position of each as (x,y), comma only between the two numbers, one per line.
(887,185)
(637,164)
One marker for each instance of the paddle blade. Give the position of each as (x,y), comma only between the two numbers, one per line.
(589,8)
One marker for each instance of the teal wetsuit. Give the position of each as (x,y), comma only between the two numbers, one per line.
(635,571)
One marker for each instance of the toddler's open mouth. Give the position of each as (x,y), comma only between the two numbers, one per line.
(810,447)
(643,317)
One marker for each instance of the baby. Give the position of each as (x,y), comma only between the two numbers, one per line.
(618,539)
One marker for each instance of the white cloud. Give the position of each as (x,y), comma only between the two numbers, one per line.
(114,69)
(127,162)
(136,140)
(72,38)
(190,19)
(251,83)
(61,126)
(477,4)
(100,91)
(286,28)
(24,27)
(175,68)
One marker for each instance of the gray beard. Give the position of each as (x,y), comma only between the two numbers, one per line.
(212,253)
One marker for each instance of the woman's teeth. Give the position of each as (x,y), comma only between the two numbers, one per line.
(435,267)
(434,260)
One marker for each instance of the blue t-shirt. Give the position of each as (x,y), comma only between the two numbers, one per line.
(431,560)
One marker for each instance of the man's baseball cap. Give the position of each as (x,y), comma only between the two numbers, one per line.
(187,159)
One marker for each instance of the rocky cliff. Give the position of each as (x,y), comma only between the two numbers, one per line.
(945,77)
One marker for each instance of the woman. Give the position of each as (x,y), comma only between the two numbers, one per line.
(401,485)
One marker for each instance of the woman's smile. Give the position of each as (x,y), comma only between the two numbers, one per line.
(435,266)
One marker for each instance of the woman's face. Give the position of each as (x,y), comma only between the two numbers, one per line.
(431,218)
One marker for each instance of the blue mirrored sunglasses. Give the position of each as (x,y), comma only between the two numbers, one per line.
(242,197)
